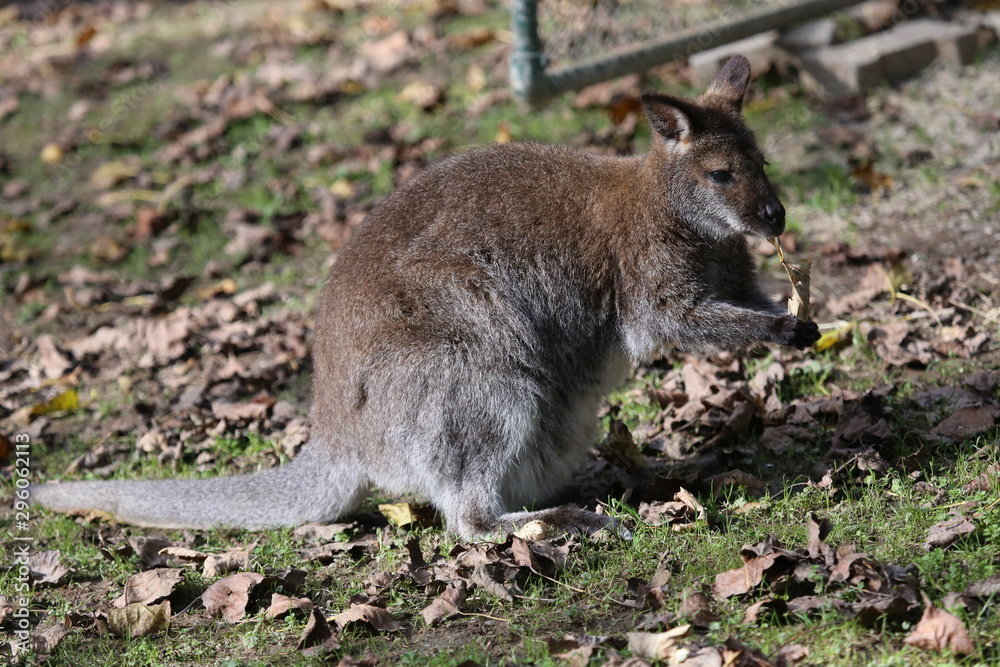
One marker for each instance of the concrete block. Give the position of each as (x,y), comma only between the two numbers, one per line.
(811,35)
(759,50)
(891,55)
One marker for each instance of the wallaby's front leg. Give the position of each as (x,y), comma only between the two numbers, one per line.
(732,326)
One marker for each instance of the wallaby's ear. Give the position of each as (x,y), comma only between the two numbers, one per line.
(668,117)
(730,84)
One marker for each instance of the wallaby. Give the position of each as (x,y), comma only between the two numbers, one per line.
(471,327)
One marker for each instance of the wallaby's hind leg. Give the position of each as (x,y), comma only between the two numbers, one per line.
(474,503)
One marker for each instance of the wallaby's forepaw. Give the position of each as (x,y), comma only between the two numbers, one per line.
(796,333)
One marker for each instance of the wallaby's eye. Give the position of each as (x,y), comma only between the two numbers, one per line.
(720,176)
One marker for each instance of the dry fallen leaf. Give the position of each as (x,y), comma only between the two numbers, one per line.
(406,514)
(947,532)
(376,618)
(282,604)
(184,554)
(446,605)
(218,564)
(149,587)
(939,630)
(798,275)
(137,620)
(697,608)
(967,422)
(45,567)
(570,651)
(48,639)
(534,530)
(659,645)
(318,637)
(228,597)
(866,174)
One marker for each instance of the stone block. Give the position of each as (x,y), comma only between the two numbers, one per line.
(759,50)
(894,54)
(811,35)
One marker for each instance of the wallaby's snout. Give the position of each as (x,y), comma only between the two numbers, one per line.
(772,213)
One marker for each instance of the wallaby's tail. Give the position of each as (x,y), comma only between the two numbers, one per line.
(313,487)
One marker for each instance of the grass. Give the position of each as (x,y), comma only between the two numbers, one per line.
(884,515)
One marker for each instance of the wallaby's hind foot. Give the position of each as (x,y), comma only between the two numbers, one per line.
(565,520)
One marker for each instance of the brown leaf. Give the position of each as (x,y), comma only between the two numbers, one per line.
(375,618)
(240,411)
(948,532)
(571,651)
(317,637)
(706,656)
(984,588)
(791,655)
(217,564)
(866,174)
(149,550)
(389,53)
(870,611)
(657,645)
(718,483)
(939,630)
(805,605)
(697,609)
(490,578)
(647,596)
(765,558)
(987,481)
(54,362)
(228,597)
(472,38)
(780,439)
(817,549)
(47,640)
(324,532)
(967,422)
(842,570)
(446,605)
(282,604)
(798,275)
(45,568)
(658,513)
(861,422)
(184,554)
(148,587)
(366,544)
(765,609)
(535,556)
(137,620)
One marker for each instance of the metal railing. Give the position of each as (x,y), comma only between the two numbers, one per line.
(533,83)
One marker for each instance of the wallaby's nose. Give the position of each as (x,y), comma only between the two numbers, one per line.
(773,213)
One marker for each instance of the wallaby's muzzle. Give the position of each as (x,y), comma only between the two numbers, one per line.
(772,214)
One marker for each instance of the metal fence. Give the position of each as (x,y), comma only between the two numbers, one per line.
(571,44)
